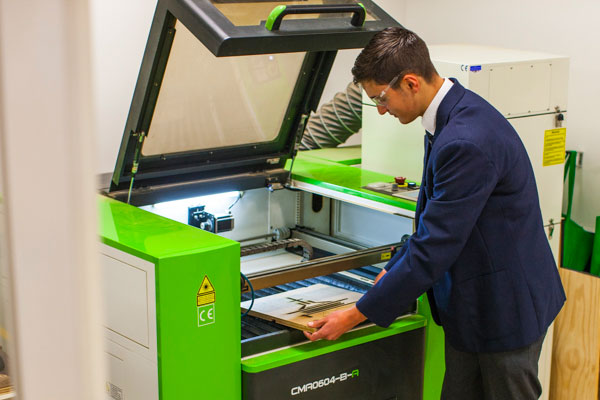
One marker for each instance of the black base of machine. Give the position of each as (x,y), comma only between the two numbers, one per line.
(386,369)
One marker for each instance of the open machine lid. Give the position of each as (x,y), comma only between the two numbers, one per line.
(246,27)
(201,124)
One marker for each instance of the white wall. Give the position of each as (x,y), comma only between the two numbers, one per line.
(120,30)
(48,199)
(550,26)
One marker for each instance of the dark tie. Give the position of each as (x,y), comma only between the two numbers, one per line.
(428,143)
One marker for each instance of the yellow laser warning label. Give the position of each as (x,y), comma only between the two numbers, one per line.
(386,256)
(206,293)
(554,146)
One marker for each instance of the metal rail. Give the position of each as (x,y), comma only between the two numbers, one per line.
(307,250)
(322,266)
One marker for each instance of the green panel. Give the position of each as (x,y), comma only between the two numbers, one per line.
(313,349)
(337,176)
(148,235)
(192,355)
(350,155)
(435,366)
(595,262)
(199,359)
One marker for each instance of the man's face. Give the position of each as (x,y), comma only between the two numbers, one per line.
(400,102)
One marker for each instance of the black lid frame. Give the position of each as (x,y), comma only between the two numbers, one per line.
(176,175)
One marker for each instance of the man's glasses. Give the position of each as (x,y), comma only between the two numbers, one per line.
(380,100)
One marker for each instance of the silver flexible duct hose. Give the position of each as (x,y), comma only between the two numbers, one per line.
(335,121)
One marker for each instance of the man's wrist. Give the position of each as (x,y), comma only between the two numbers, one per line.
(356,315)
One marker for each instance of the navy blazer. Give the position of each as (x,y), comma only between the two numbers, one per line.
(479,249)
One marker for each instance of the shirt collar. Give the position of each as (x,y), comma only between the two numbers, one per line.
(430,114)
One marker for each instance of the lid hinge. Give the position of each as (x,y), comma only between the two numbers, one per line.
(136,160)
(297,140)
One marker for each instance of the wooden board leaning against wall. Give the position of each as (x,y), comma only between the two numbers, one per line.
(576,356)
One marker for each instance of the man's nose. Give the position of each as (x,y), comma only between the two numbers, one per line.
(382,110)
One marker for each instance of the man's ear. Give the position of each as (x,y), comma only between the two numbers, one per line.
(412,82)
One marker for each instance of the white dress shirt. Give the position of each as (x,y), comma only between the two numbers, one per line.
(430,114)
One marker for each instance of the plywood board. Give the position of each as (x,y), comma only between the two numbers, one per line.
(296,308)
(576,355)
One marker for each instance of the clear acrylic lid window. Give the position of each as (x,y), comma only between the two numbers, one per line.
(253,13)
(207,102)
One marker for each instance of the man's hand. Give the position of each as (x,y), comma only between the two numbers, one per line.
(335,324)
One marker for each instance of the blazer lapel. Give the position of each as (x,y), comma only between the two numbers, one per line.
(456,92)
(422,199)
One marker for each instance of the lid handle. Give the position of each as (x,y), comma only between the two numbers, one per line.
(359,13)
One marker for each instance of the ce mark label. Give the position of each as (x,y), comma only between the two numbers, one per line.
(205,301)
(206,315)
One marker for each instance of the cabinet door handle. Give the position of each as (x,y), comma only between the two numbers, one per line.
(551,229)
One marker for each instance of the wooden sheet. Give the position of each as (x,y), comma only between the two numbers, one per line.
(576,353)
(296,308)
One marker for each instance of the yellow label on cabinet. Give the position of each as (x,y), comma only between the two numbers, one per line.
(554,146)
(386,256)
(206,293)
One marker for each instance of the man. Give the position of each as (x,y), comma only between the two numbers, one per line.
(479,248)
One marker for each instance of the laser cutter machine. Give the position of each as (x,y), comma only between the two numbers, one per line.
(202,193)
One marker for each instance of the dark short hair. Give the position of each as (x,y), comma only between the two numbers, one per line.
(392,52)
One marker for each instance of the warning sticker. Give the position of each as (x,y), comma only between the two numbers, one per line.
(205,301)
(554,146)
(206,293)
(386,256)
